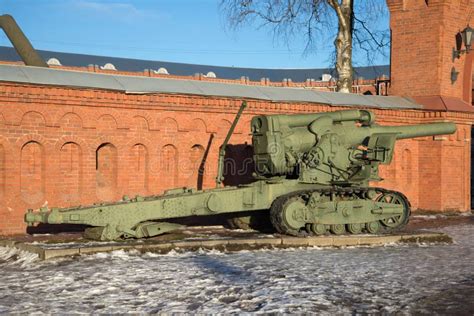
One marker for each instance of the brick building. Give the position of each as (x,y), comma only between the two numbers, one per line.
(76,135)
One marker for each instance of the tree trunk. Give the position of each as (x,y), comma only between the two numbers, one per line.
(343,44)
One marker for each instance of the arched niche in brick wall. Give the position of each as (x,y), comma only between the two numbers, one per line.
(32,173)
(106,122)
(195,168)
(169,127)
(198,125)
(70,121)
(169,167)
(139,169)
(71,173)
(223,127)
(33,120)
(106,171)
(139,124)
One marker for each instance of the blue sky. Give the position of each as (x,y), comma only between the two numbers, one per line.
(189,31)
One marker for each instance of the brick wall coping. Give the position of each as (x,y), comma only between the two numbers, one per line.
(146,85)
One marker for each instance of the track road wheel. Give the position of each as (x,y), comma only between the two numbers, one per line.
(287,215)
(372,227)
(398,221)
(355,228)
(338,229)
(319,229)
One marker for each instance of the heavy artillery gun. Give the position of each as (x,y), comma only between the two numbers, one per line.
(312,174)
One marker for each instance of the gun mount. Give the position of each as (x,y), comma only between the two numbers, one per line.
(342,147)
(313,174)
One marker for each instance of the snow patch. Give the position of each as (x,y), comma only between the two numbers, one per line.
(14,256)
(362,280)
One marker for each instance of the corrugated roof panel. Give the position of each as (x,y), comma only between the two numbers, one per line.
(136,84)
(132,84)
(229,90)
(51,76)
(346,99)
(292,95)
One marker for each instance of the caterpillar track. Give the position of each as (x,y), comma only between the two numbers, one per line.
(283,224)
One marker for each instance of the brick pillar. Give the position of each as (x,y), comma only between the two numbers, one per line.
(423,37)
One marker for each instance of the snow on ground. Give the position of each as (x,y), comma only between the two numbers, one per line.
(407,279)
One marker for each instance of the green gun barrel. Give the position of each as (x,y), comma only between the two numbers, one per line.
(422,130)
(303,120)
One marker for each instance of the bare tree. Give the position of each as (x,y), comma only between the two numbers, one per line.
(290,17)
(343,43)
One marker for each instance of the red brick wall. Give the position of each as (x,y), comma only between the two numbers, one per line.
(423,37)
(63,146)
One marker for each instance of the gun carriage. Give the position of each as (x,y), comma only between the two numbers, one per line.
(312,174)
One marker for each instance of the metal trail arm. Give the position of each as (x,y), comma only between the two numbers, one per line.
(220,163)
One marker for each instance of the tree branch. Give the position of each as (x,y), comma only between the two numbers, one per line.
(340,15)
(379,44)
